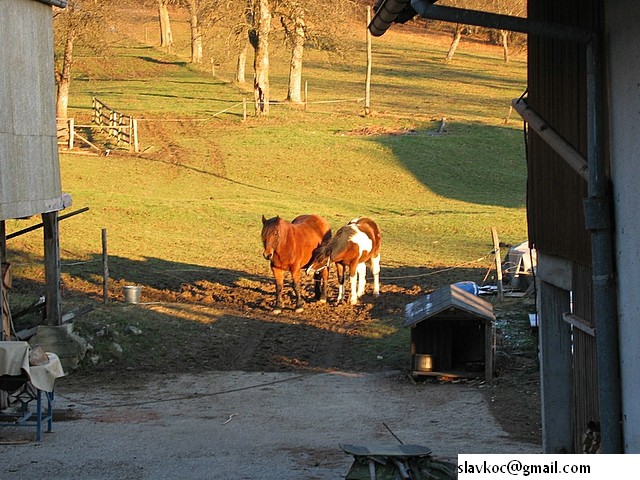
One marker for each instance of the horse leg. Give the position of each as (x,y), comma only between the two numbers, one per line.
(279,276)
(320,280)
(340,274)
(362,278)
(295,274)
(353,279)
(375,269)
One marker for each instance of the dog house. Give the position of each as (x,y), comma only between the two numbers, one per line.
(452,334)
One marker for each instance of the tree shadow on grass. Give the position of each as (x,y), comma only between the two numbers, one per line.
(467,162)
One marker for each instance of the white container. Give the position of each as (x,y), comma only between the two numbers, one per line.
(131,293)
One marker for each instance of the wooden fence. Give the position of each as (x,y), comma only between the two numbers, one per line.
(124,128)
(67,133)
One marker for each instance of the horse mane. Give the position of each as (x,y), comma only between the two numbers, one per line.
(336,243)
(273,223)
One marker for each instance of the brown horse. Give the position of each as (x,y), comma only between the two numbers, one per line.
(355,246)
(289,248)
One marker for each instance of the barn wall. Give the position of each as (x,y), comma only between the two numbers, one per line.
(623,18)
(29,166)
(557,92)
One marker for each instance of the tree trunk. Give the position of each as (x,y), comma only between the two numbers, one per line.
(242,63)
(261,58)
(166,37)
(64,77)
(297,50)
(454,43)
(196,32)
(505,45)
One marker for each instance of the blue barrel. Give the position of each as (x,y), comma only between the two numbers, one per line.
(469,287)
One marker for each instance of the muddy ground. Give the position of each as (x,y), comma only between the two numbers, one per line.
(236,331)
(212,374)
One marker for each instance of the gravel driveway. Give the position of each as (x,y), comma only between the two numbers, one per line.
(239,425)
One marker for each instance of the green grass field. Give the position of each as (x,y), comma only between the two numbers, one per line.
(196,192)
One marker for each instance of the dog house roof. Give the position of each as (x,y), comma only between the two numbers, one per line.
(450,299)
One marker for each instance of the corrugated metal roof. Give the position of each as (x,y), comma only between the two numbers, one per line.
(445,298)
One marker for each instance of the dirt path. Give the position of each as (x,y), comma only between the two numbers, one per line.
(250,425)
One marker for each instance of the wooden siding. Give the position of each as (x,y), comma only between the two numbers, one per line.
(557,92)
(585,358)
(29,166)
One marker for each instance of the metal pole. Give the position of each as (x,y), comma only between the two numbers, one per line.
(598,221)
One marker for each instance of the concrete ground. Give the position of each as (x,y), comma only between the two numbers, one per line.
(240,425)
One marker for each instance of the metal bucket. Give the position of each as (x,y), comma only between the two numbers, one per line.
(131,293)
(423,362)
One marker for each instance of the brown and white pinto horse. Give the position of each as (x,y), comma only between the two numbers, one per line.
(355,246)
(289,246)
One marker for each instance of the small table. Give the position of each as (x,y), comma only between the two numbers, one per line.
(25,383)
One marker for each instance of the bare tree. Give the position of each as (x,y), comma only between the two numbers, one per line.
(260,18)
(508,7)
(505,7)
(194,7)
(294,27)
(241,64)
(457,35)
(166,36)
(315,21)
(83,21)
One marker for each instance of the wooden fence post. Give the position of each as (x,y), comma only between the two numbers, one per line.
(72,133)
(105,268)
(134,133)
(496,249)
(112,123)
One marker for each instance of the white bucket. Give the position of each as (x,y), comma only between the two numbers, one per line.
(132,293)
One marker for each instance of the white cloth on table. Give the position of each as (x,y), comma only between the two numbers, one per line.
(14,361)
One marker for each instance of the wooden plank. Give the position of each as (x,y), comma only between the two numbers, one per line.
(579,323)
(555,370)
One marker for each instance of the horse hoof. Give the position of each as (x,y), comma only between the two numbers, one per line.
(276,311)
(299,309)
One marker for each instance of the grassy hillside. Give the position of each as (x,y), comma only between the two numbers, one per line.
(195,194)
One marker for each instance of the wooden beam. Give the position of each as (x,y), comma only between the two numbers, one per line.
(4,319)
(53,293)
(555,270)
